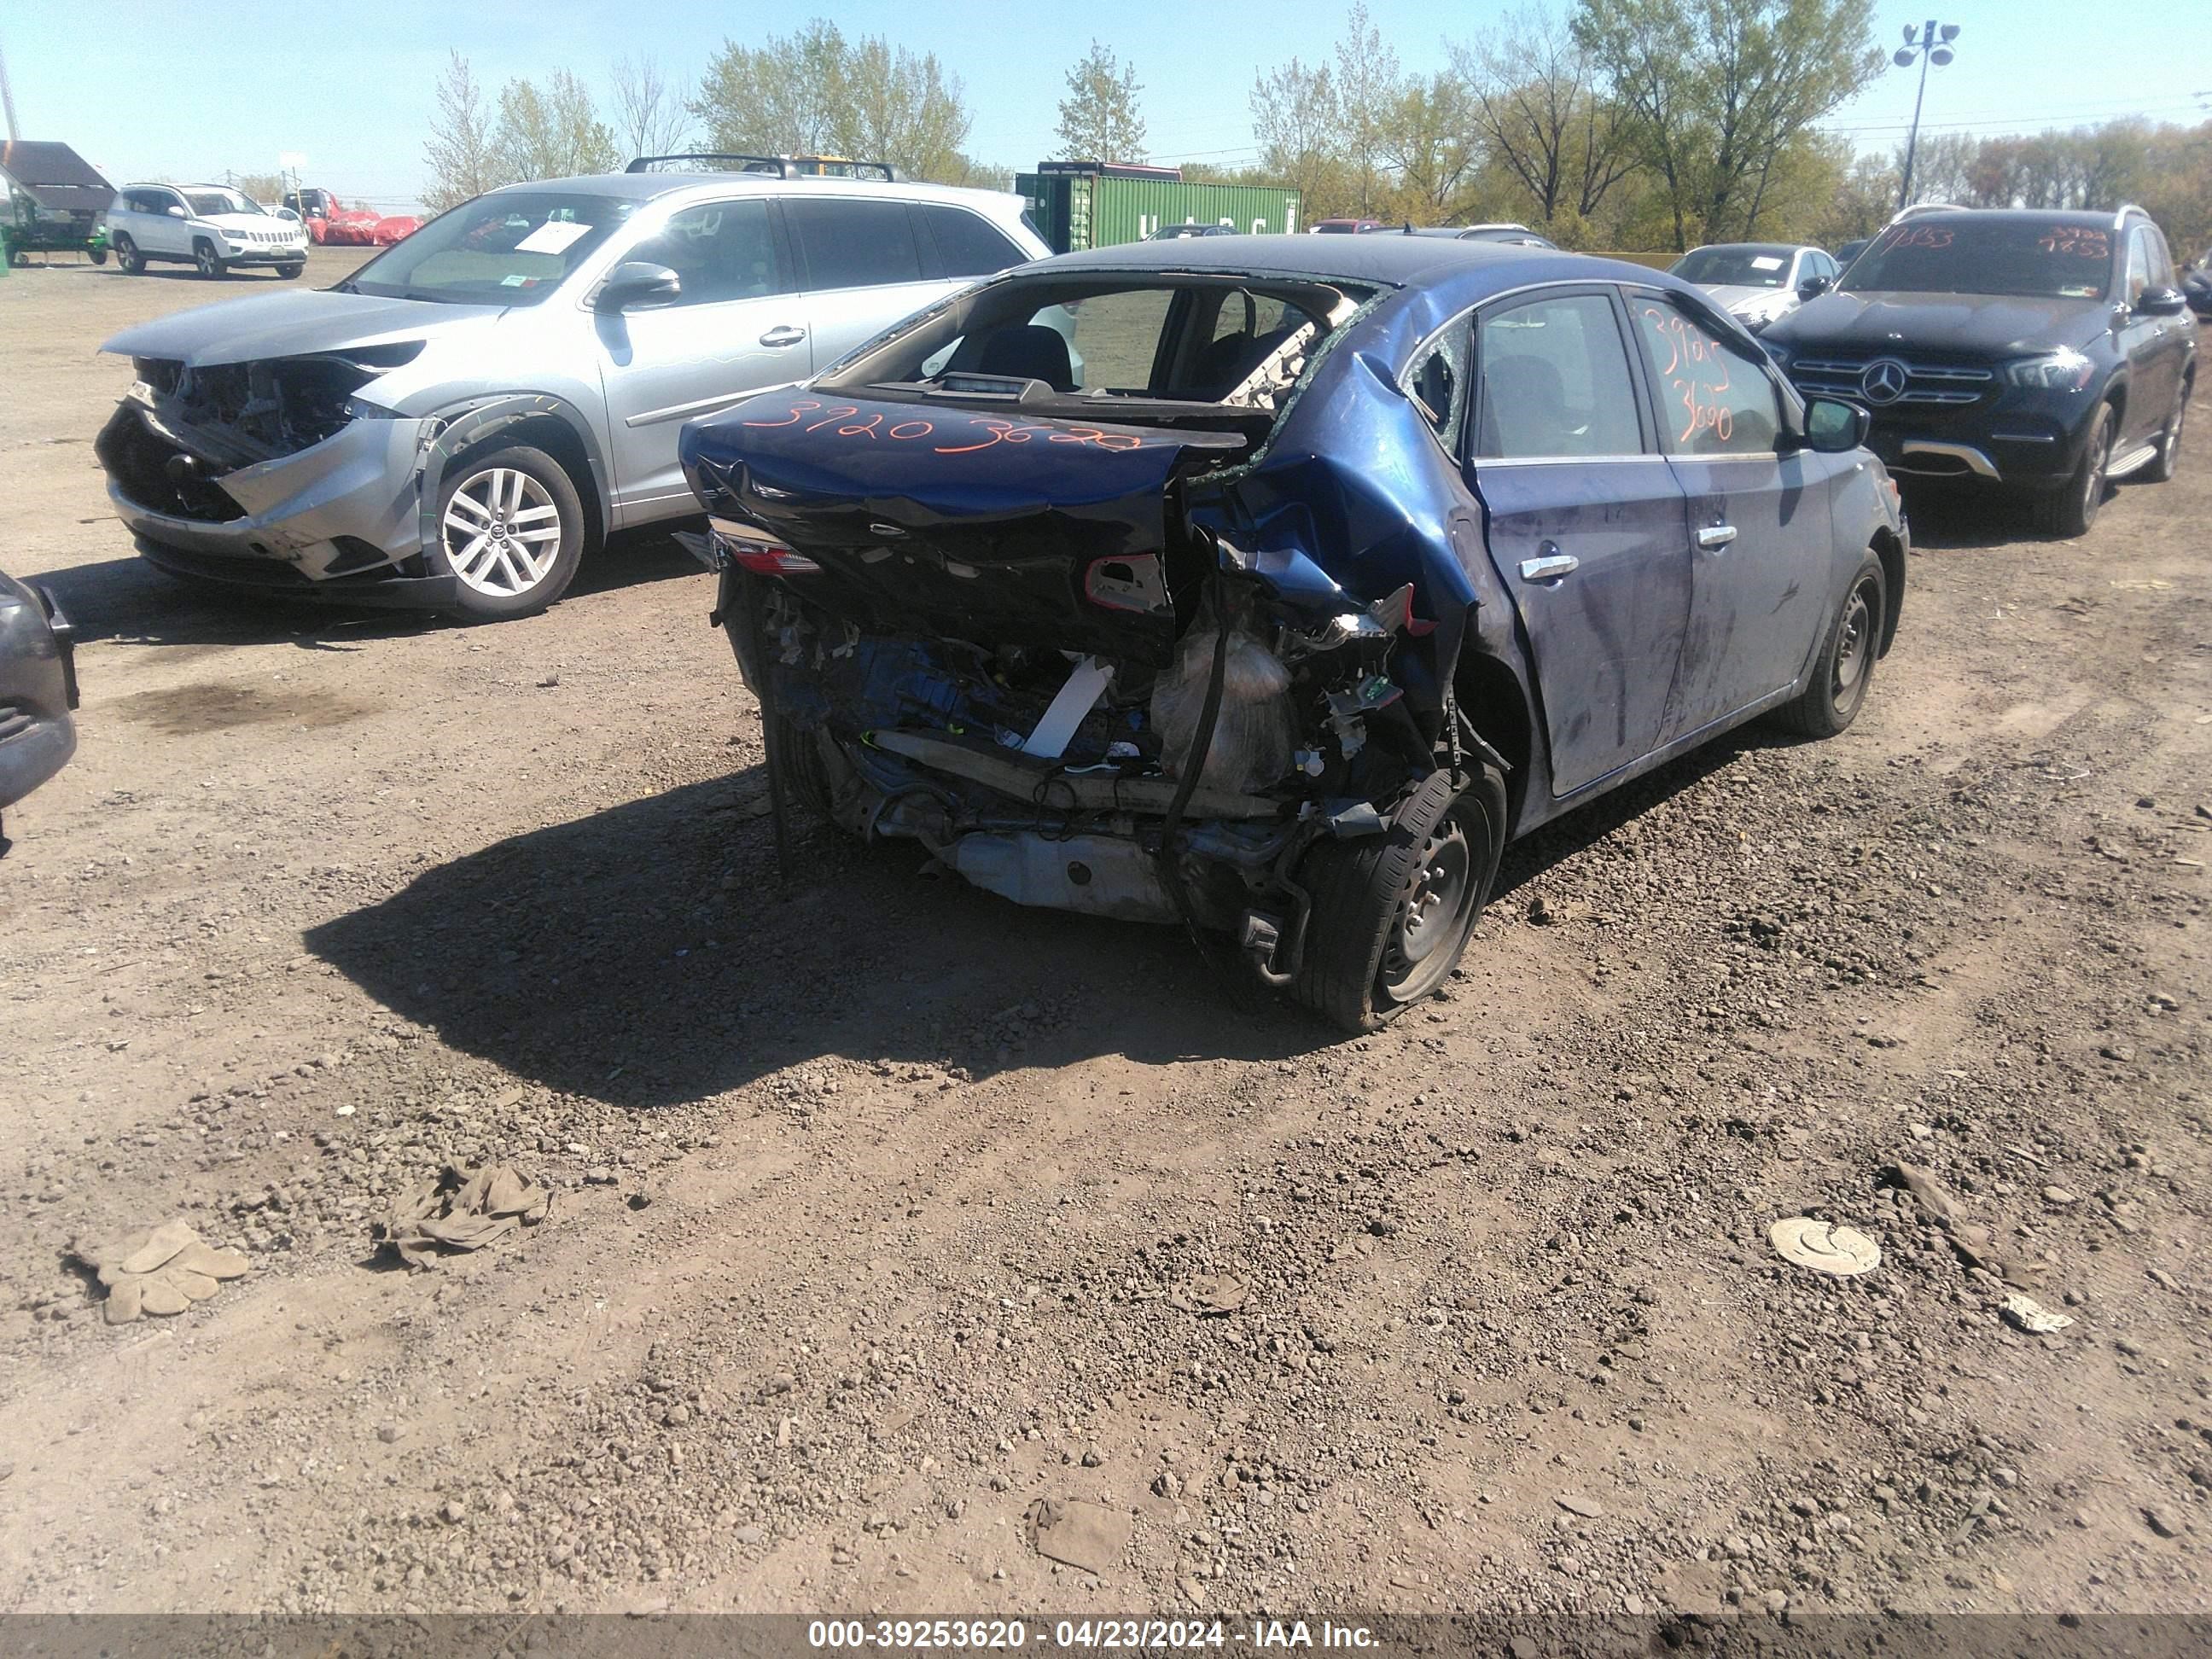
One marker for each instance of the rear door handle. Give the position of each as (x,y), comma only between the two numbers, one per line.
(1716,535)
(1548,569)
(784,336)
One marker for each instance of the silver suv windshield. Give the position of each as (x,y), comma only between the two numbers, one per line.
(511,248)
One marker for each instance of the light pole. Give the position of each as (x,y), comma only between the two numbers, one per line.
(1928,44)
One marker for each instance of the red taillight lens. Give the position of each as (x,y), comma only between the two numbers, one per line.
(764,561)
(755,550)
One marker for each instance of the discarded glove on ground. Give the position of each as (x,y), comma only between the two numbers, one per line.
(463,1210)
(158,1270)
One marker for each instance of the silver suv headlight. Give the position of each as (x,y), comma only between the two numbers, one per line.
(2063,370)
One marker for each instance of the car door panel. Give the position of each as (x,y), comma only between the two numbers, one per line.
(1759,523)
(735,329)
(1585,524)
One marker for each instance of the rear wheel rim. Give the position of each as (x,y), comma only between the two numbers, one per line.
(1854,649)
(1433,913)
(501,532)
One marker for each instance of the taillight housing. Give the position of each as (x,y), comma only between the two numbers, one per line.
(753,549)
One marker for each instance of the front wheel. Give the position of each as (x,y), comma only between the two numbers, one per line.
(208,261)
(290,269)
(2162,470)
(2071,509)
(128,256)
(1845,667)
(512,530)
(99,255)
(1392,914)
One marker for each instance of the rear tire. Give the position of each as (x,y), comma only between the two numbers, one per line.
(493,542)
(1845,668)
(208,262)
(1392,914)
(99,255)
(2168,463)
(2072,508)
(129,257)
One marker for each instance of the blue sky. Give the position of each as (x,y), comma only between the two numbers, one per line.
(155,88)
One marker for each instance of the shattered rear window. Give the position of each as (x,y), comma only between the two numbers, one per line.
(1217,340)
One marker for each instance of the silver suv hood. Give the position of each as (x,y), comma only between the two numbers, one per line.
(290,325)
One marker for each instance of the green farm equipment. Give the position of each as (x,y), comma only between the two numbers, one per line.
(55,203)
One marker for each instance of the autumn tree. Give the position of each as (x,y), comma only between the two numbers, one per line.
(461,153)
(1098,118)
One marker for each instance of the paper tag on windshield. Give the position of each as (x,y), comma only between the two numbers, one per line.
(552,237)
(1763,263)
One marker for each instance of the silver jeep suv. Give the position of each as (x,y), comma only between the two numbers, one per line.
(457,422)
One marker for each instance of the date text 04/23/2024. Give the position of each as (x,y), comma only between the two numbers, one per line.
(1107,1635)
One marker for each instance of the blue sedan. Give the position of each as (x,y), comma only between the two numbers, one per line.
(1269,586)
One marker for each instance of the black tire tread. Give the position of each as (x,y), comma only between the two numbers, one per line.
(1812,712)
(1344,936)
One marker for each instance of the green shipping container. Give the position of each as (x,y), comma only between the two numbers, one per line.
(1075,210)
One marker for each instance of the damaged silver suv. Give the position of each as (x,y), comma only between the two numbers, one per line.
(458,422)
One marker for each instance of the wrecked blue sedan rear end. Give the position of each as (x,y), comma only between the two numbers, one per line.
(1149,583)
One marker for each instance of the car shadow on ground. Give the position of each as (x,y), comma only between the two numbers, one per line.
(128,601)
(649,955)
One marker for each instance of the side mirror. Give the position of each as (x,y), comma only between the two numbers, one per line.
(1834,426)
(2161,302)
(638,285)
(1812,288)
(176,213)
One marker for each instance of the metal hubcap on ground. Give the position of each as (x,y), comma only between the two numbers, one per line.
(502,533)
(1854,645)
(1432,912)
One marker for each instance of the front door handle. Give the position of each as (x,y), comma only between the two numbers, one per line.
(1548,569)
(784,336)
(1716,535)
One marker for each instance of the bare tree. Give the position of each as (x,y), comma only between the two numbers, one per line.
(1098,118)
(650,118)
(1534,103)
(1294,116)
(460,152)
(1367,87)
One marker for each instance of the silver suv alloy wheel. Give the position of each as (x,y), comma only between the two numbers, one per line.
(502,533)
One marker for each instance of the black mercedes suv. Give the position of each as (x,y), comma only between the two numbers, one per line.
(2042,353)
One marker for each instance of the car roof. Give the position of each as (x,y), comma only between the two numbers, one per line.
(1763,247)
(653,186)
(1959,215)
(1392,258)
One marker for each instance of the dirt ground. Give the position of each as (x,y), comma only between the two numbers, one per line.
(878,1202)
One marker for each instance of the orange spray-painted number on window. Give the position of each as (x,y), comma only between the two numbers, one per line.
(1696,371)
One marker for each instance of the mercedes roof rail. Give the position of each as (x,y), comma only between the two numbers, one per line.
(780,166)
(2120,218)
(1919,208)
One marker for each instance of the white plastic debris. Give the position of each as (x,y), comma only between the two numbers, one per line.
(2033,1317)
(1824,1247)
